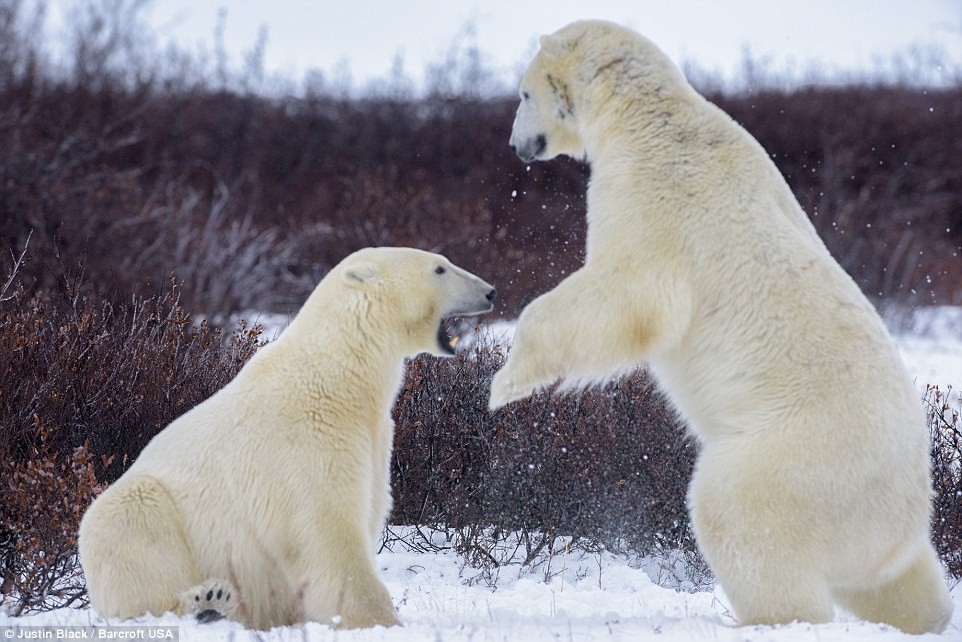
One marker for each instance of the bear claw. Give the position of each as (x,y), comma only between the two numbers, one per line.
(210,601)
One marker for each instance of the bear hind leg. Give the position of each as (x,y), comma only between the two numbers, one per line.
(764,584)
(133,551)
(764,565)
(790,597)
(916,601)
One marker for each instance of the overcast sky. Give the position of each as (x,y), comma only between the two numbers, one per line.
(365,36)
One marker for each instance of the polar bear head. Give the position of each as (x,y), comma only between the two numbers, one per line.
(404,296)
(582,73)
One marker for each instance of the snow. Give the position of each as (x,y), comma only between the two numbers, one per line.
(931,346)
(576,596)
(586,597)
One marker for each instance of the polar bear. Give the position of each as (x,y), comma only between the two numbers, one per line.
(812,484)
(265,502)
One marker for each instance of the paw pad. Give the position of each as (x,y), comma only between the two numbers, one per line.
(211,601)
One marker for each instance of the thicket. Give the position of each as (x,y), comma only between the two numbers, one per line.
(250,198)
(84,385)
(134,203)
(944,414)
(608,468)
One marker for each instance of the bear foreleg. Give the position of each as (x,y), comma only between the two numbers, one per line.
(340,585)
(594,326)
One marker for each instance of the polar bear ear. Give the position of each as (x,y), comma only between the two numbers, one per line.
(552,46)
(362,275)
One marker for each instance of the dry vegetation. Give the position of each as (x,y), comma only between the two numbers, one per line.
(132,199)
(84,385)
(606,468)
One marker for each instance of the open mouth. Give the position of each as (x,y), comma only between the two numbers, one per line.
(446,342)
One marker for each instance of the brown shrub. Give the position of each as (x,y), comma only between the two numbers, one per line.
(945,426)
(88,385)
(83,387)
(608,467)
(45,497)
(251,200)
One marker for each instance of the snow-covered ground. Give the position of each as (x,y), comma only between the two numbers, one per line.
(601,597)
(578,597)
(931,346)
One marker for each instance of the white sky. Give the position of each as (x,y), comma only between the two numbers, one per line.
(838,36)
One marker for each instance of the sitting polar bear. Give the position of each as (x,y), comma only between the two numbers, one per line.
(265,502)
(812,485)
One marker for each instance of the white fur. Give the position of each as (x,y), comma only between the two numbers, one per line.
(812,485)
(276,489)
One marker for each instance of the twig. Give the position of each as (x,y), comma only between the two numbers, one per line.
(17,264)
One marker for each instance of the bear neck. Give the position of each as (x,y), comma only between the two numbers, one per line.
(623,153)
(637,126)
(372,360)
(633,104)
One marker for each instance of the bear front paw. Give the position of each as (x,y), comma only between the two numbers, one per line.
(213,600)
(504,390)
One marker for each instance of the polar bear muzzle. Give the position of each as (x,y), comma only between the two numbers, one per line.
(531,148)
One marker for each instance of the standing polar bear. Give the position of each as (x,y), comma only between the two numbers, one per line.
(265,502)
(812,485)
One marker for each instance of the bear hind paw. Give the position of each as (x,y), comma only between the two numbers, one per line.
(215,599)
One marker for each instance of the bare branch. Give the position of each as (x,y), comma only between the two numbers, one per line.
(17,264)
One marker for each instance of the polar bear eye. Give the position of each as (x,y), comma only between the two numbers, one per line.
(525,95)
(439,270)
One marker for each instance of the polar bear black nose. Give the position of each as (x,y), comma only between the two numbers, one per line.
(491,294)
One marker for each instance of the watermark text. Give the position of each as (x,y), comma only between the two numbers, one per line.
(163,633)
